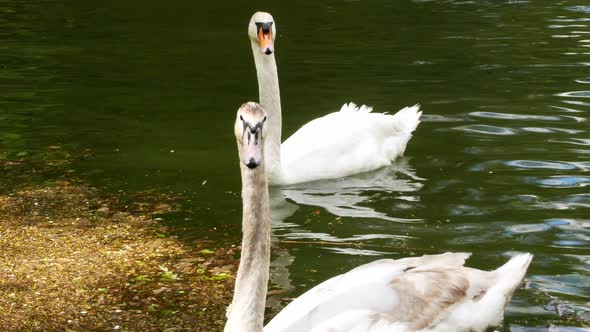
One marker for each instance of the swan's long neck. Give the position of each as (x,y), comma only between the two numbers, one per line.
(247,308)
(270,98)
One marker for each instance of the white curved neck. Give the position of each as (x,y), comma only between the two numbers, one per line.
(247,308)
(270,98)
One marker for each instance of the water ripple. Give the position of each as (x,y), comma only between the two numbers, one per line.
(537,130)
(572,227)
(574,141)
(568,202)
(535,164)
(531,164)
(580,19)
(562,181)
(582,165)
(551,65)
(332,238)
(465,210)
(558,222)
(510,116)
(575,94)
(566,109)
(505,131)
(571,231)
(486,129)
(565,36)
(580,8)
(575,102)
(560,26)
(577,200)
(528,228)
(582,262)
(355,252)
(585,80)
(548,130)
(563,284)
(440,118)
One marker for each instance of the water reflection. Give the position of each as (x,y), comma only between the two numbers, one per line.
(348,197)
(345,198)
(533,164)
(558,287)
(575,94)
(562,181)
(580,8)
(495,165)
(508,116)
(486,129)
(504,141)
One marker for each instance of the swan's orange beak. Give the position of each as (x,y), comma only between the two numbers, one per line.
(265,39)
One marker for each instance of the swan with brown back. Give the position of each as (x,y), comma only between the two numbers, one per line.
(433,293)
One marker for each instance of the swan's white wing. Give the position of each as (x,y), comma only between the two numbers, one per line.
(347,142)
(428,293)
(365,288)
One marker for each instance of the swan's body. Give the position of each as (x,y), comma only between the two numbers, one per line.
(428,293)
(343,143)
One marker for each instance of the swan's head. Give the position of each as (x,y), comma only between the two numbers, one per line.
(250,134)
(262,31)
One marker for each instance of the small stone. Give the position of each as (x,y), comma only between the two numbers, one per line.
(103,209)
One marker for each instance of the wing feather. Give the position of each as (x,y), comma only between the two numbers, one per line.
(378,289)
(351,141)
(428,294)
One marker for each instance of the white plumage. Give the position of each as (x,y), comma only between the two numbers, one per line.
(429,293)
(433,293)
(351,141)
(347,142)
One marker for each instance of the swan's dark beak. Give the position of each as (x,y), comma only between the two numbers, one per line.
(252,156)
(252,149)
(265,37)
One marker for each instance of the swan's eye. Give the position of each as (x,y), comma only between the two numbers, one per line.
(241,118)
(264,119)
(264,26)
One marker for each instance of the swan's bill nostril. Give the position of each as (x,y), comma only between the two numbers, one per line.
(266,48)
(252,163)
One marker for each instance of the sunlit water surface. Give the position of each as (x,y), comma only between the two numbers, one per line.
(499,165)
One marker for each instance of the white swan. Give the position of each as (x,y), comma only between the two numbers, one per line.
(339,144)
(428,293)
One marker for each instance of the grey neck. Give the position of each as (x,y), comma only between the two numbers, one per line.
(247,308)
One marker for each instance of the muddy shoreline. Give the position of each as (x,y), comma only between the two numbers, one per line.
(74,258)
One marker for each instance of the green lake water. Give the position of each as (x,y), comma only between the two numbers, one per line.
(500,163)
